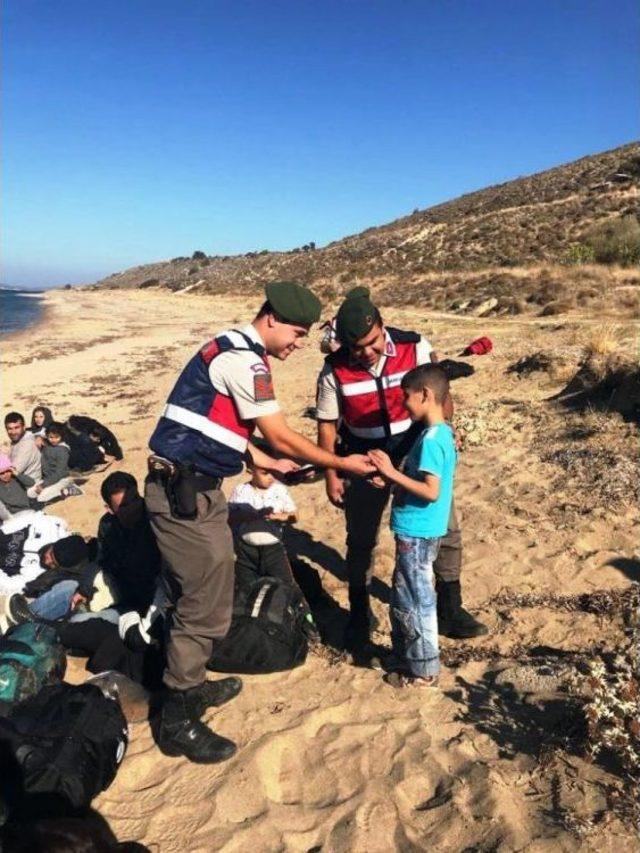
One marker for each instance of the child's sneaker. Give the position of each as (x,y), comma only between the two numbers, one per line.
(71,491)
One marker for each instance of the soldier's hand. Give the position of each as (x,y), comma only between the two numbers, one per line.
(358,464)
(284,466)
(335,491)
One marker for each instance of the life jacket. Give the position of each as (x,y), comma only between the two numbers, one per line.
(200,426)
(371,407)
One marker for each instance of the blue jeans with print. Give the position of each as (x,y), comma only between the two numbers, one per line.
(56,604)
(413,612)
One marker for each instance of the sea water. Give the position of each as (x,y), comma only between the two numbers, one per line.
(18,309)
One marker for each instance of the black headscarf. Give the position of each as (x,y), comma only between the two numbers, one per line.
(48,418)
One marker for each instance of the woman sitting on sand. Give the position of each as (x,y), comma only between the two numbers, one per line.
(41,417)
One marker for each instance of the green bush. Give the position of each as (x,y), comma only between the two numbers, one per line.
(198,256)
(616,241)
(579,253)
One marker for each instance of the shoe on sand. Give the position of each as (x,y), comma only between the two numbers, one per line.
(71,491)
(399,681)
(17,609)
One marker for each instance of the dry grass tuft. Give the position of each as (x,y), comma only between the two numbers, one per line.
(605,341)
(607,379)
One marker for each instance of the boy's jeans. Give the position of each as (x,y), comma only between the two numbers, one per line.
(413,612)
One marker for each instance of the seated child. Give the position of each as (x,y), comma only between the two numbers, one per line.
(262,497)
(258,512)
(56,481)
(13,487)
(419,518)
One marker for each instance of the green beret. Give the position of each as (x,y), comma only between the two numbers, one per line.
(358,290)
(355,319)
(293,303)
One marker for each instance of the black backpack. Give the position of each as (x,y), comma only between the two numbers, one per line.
(64,745)
(269,629)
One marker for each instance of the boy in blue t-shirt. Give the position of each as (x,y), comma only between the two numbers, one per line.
(419,517)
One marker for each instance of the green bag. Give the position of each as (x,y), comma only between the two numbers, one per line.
(30,657)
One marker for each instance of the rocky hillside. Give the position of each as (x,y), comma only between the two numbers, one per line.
(485,245)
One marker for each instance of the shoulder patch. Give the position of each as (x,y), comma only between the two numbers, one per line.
(263,387)
(259,367)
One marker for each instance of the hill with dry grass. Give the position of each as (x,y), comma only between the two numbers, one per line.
(528,245)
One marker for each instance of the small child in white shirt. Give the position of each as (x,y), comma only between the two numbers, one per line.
(258,513)
(262,497)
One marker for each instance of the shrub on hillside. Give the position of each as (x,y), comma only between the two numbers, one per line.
(579,253)
(616,241)
(198,256)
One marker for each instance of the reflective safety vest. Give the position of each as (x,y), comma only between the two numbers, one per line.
(372,406)
(200,425)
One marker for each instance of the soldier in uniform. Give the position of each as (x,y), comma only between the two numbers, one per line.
(360,406)
(203,436)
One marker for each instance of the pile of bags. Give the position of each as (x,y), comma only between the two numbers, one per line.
(60,744)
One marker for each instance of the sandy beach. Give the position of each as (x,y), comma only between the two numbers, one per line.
(330,758)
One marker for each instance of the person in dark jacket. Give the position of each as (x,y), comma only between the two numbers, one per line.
(83,453)
(65,564)
(99,435)
(127,551)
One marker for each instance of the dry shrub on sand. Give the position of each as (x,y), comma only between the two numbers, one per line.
(611,708)
(537,362)
(607,378)
(476,425)
(599,472)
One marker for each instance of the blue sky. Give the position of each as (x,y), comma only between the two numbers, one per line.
(136,130)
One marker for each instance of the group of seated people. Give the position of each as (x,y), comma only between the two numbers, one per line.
(38,467)
(104,592)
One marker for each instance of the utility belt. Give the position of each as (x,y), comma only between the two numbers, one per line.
(182,483)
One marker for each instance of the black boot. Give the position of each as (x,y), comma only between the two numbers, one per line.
(177,732)
(453,620)
(212,694)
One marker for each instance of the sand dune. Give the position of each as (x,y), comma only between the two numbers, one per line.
(330,757)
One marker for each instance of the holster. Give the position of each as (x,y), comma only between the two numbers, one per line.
(179,484)
(182,494)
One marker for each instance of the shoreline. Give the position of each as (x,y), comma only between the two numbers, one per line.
(38,323)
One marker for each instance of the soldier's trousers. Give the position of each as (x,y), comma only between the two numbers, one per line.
(198,572)
(364,506)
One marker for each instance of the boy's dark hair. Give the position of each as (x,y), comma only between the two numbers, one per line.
(117,482)
(427,376)
(13,418)
(56,428)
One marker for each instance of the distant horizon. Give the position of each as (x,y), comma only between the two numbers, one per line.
(272,129)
